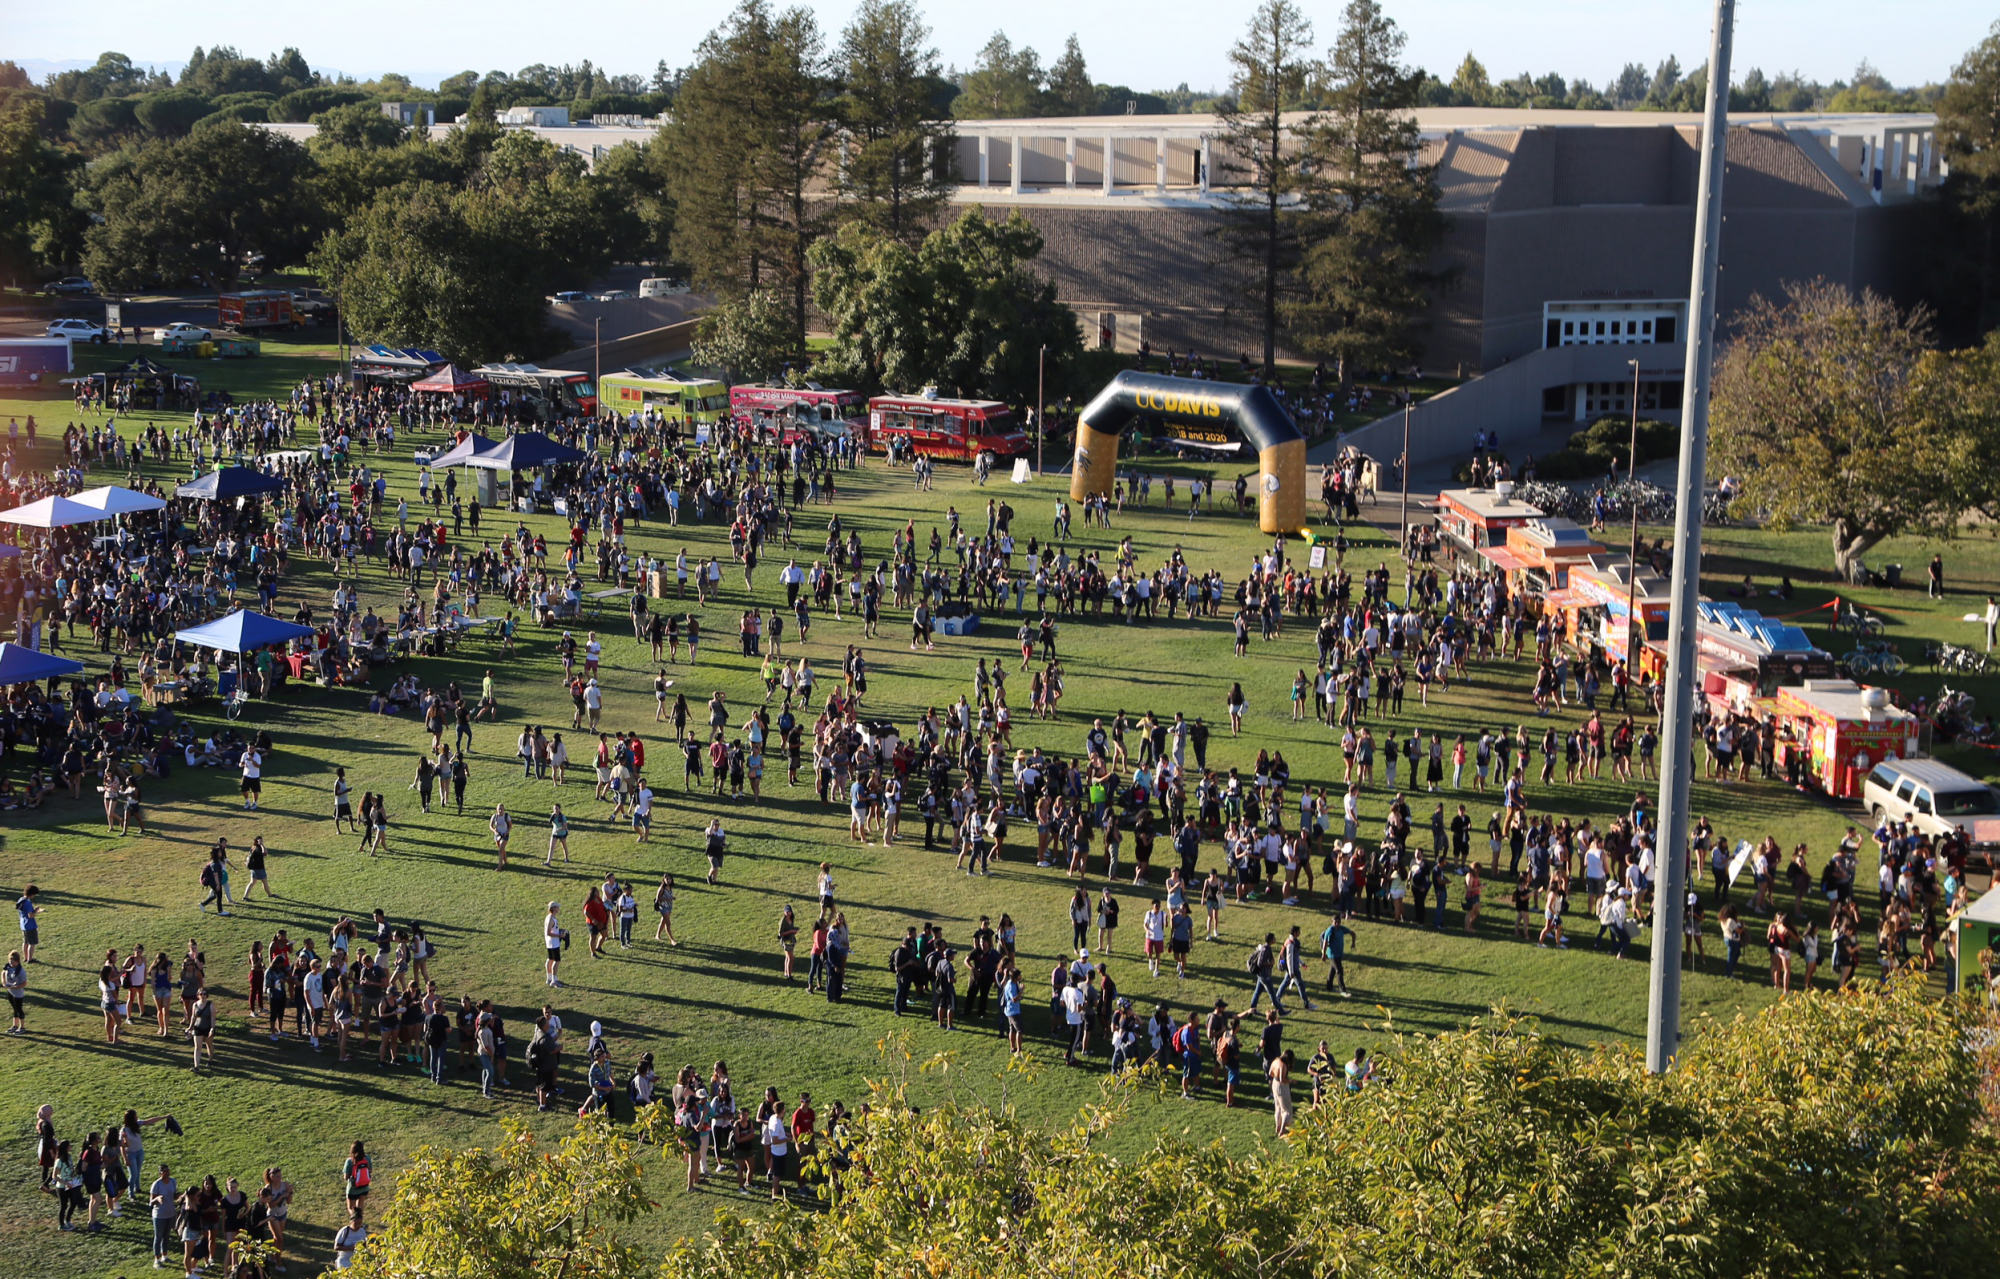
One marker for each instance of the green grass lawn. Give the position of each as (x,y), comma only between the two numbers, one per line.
(719,995)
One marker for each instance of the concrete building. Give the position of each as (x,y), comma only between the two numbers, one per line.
(1558,218)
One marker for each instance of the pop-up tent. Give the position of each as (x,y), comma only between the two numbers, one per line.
(20,665)
(451,378)
(9,552)
(524,452)
(464,451)
(244,631)
(230,481)
(52,512)
(113,500)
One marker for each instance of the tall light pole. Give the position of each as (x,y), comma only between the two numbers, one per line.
(1403,520)
(597,361)
(1632,628)
(1041,404)
(1663,1014)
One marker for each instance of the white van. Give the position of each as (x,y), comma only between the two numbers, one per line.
(661,286)
(1933,797)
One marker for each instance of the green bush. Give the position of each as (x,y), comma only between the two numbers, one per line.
(1590,452)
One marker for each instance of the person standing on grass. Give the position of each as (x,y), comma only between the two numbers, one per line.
(663,906)
(558,835)
(717,846)
(15,978)
(553,937)
(502,827)
(356,1174)
(201,1027)
(30,912)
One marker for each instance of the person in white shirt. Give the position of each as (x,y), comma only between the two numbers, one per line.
(777,1138)
(315,993)
(1155,928)
(346,1240)
(552,941)
(642,813)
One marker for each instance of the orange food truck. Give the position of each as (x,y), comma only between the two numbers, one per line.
(1473,519)
(1595,604)
(1843,729)
(1538,555)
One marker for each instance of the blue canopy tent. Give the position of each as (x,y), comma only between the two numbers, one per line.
(228,482)
(244,631)
(9,552)
(463,451)
(19,665)
(524,452)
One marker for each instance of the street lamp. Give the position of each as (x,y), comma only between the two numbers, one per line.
(1632,630)
(1403,521)
(1041,409)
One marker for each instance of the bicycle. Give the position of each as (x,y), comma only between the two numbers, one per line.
(1865,625)
(1874,657)
(239,699)
(1959,659)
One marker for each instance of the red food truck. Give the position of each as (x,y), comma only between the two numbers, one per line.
(961,430)
(257,309)
(791,413)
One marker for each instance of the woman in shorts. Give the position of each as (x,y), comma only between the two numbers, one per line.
(663,906)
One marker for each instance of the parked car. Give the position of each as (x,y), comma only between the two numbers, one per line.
(662,286)
(569,295)
(77,331)
(70,286)
(616,295)
(1933,798)
(181,331)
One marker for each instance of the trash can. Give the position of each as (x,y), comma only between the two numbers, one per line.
(1893,575)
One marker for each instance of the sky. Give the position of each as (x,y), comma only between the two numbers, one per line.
(1171,42)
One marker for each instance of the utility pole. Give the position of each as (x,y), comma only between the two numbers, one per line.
(1041,404)
(1663,1014)
(1633,630)
(597,361)
(1403,520)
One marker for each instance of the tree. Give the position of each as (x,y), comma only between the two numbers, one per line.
(1825,1134)
(1829,410)
(643,223)
(750,338)
(796,118)
(39,223)
(520,1210)
(1968,134)
(169,114)
(1005,84)
(206,203)
(1470,85)
(1373,220)
(1265,170)
(1631,86)
(1070,89)
(964,311)
(1665,79)
(896,171)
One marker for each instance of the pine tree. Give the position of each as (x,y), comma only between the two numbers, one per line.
(1374,219)
(796,116)
(895,172)
(1006,85)
(1070,89)
(1264,170)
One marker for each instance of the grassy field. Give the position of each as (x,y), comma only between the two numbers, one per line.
(720,994)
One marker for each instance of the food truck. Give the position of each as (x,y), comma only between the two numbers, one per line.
(1843,729)
(1537,556)
(957,430)
(1595,602)
(690,401)
(554,393)
(256,309)
(789,413)
(1474,519)
(1745,657)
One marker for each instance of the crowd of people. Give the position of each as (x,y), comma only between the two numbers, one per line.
(1347,853)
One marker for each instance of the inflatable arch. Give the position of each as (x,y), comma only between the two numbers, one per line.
(1250,411)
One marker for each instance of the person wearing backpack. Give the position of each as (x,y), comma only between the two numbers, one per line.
(1262,959)
(1333,944)
(356,1175)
